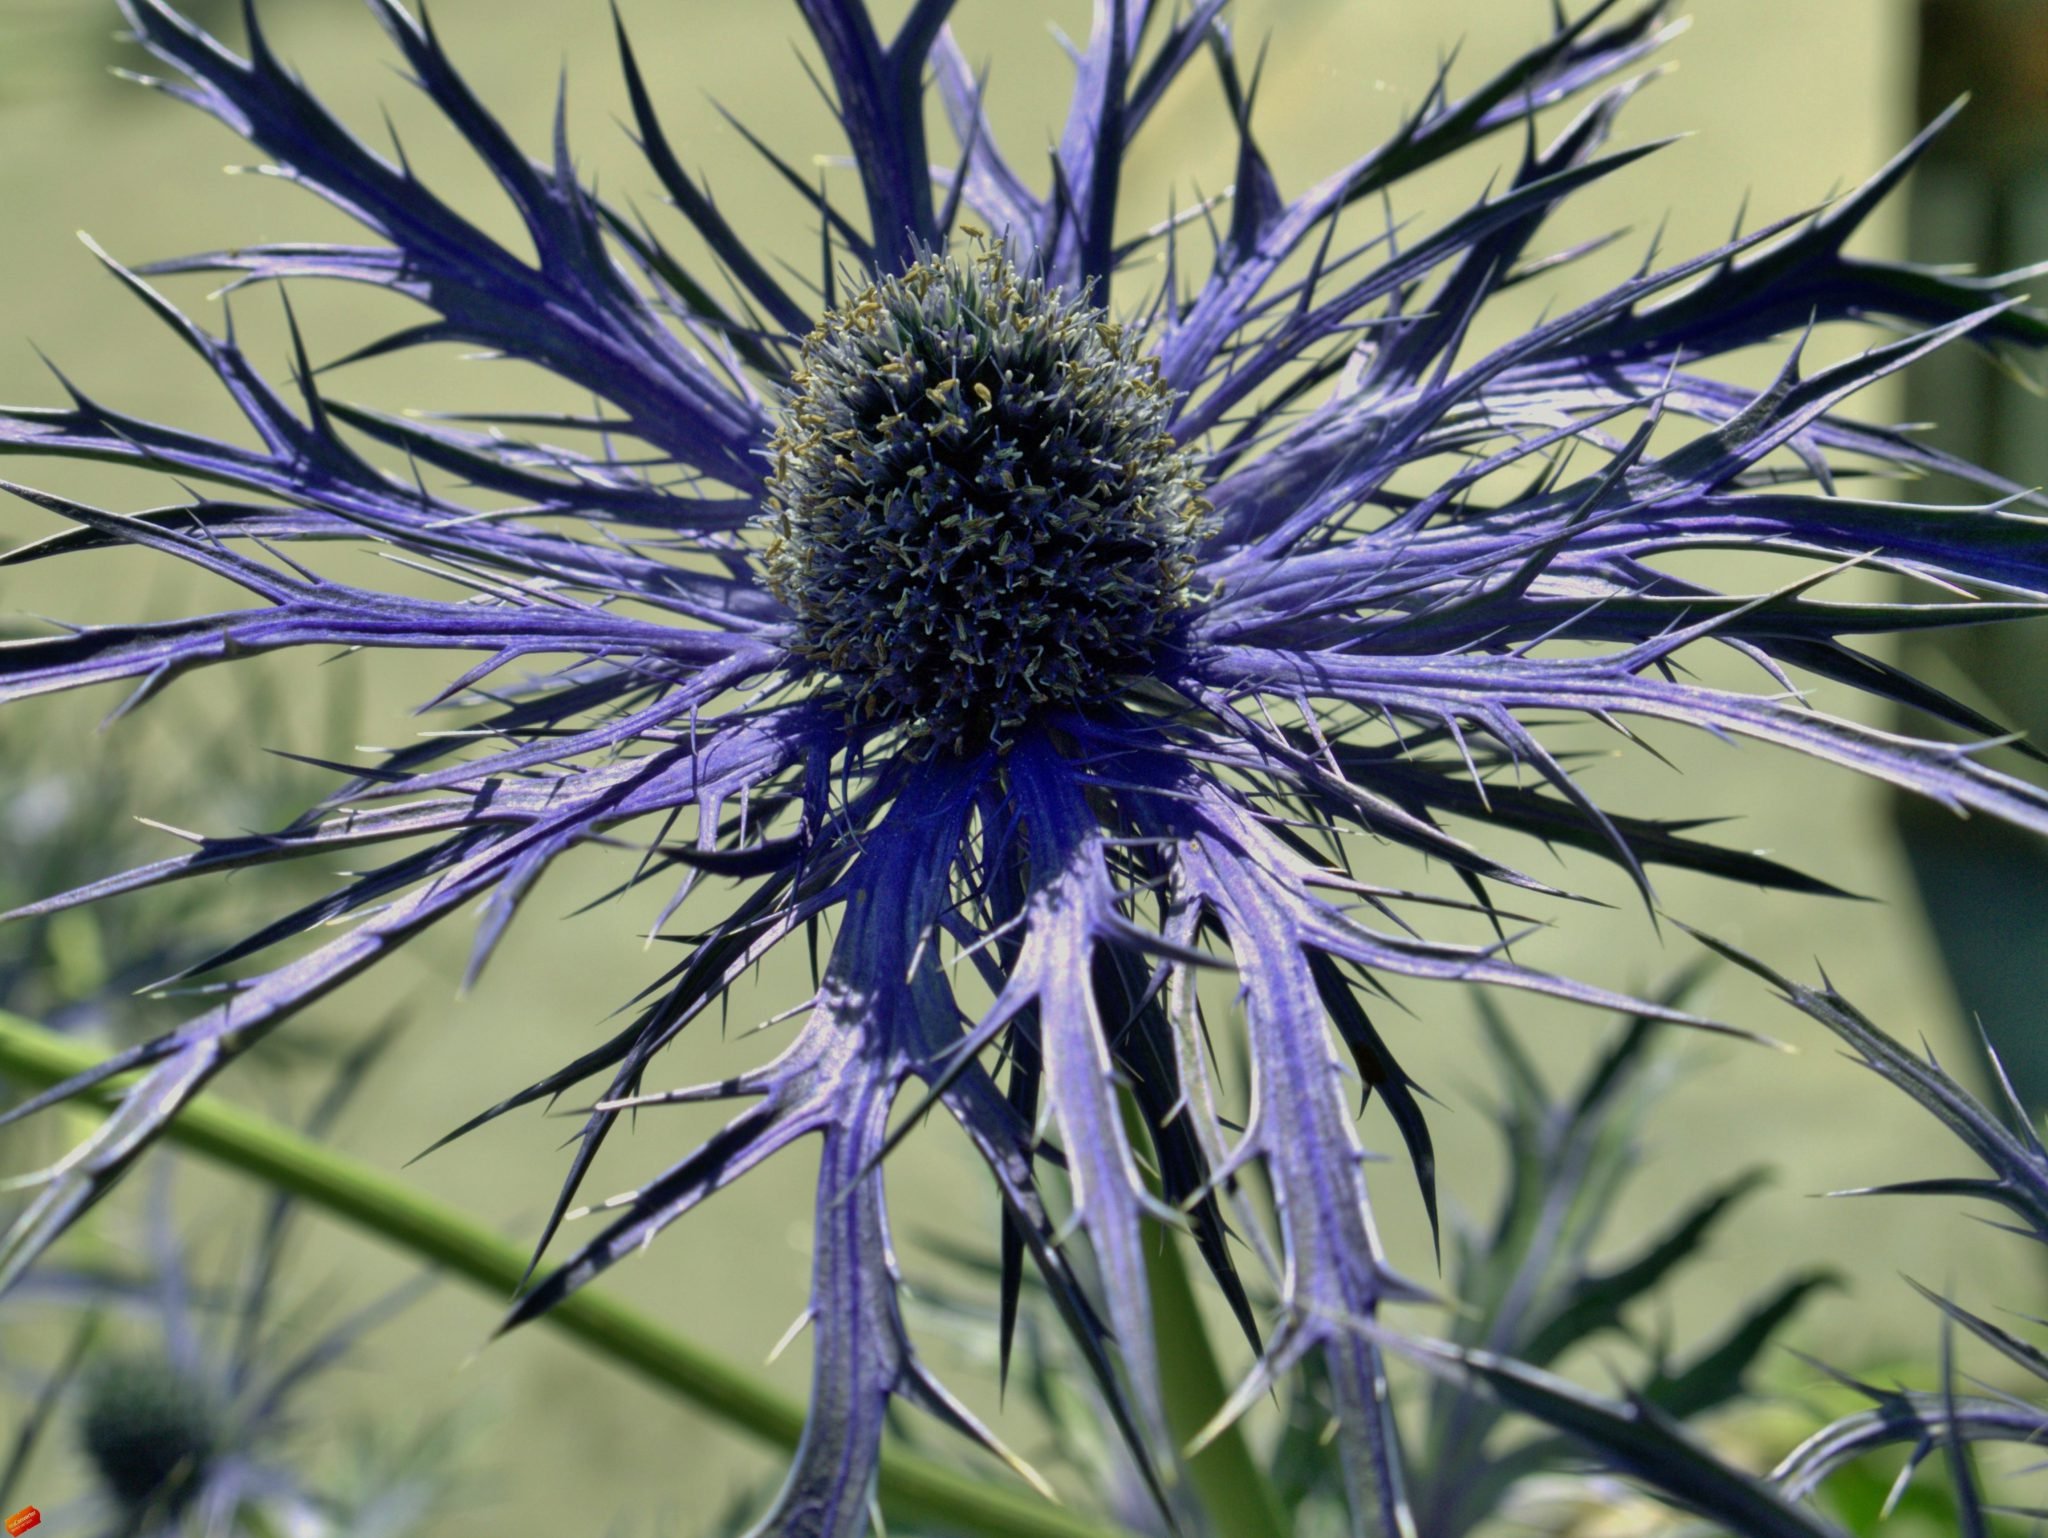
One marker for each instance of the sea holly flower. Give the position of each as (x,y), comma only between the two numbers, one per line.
(1035,611)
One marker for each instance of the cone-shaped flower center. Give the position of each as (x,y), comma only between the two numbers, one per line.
(149,1431)
(978,511)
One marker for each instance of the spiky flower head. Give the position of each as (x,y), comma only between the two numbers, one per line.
(1032,801)
(150,1431)
(979,512)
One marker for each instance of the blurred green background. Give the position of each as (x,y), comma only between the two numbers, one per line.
(1783,103)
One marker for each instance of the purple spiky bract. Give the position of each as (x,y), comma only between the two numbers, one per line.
(1333,650)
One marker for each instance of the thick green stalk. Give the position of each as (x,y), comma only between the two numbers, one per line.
(1233,1489)
(911,1487)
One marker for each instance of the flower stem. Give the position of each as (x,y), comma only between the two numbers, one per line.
(911,1487)
(1234,1491)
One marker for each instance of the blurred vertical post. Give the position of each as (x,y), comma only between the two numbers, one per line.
(1980,198)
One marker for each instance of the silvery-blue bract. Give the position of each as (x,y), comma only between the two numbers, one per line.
(1114,573)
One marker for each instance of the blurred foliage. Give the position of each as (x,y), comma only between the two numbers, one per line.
(63,827)
(1532,1290)
(1980,199)
(189,1388)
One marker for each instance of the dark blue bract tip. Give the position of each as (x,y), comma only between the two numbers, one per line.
(978,511)
(149,1431)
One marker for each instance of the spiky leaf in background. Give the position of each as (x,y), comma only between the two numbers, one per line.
(1412,557)
(187,1393)
(1640,1435)
(1532,1292)
(1528,1292)
(1945,1419)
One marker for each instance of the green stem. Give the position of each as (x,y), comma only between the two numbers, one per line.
(1235,1494)
(911,1487)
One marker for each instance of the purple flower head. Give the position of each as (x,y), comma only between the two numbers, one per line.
(979,513)
(1035,612)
